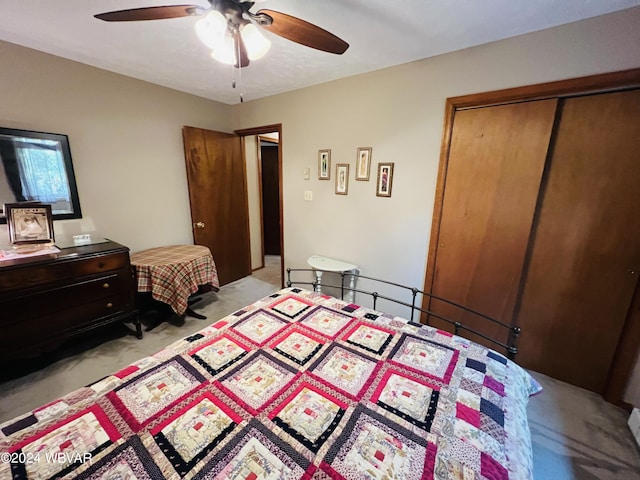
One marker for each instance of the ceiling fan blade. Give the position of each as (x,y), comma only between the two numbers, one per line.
(305,33)
(151,13)
(240,51)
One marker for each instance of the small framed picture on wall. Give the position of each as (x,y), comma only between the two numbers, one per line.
(363,163)
(324,164)
(342,178)
(385,179)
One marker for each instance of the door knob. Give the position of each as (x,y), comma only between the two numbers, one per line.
(198,225)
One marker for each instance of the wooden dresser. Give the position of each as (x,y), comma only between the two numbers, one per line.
(47,299)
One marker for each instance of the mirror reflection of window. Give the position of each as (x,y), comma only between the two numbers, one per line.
(36,167)
(42,175)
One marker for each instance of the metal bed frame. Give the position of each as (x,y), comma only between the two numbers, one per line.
(513,331)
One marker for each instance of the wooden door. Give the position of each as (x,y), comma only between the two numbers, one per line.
(586,255)
(493,173)
(218,197)
(270,199)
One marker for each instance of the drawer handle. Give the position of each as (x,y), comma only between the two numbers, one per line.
(109,305)
(101,264)
(106,285)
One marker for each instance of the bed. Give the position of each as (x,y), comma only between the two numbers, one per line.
(297,385)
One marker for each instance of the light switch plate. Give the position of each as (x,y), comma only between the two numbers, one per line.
(307,173)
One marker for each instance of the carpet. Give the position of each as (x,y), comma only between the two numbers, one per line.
(28,385)
(576,435)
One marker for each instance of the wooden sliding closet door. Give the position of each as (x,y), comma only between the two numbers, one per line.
(586,253)
(493,174)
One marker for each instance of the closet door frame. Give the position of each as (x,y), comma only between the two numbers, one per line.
(629,346)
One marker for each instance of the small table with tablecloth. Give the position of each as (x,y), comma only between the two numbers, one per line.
(173,273)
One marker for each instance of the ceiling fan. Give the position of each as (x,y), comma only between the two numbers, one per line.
(229,28)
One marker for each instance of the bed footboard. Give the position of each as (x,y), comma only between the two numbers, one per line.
(346,285)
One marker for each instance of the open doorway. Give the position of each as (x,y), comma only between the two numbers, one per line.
(262,151)
(270,182)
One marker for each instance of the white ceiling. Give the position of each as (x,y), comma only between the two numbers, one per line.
(381,33)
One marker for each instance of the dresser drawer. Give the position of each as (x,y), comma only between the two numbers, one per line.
(68,269)
(33,335)
(39,301)
(46,300)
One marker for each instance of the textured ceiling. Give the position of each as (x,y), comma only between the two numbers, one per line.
(381,33)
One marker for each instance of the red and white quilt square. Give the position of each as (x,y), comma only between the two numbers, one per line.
(186,437)
(148,394)
(52,409)
(326,321)
(490,468)
(459,459)
(470,435)
(410,398)
(218,354)
(64,446)
(256,380)
(468,414)
(425,357)
(127,461)
(291,306)
(255,453)
(309,415)
(260,326)
(494,385)
(468,398)
(371,338)
(298,346)
(370,447)
(345,369)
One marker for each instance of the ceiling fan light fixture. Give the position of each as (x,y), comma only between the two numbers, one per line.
(224,51)
(212,29)
(255,43)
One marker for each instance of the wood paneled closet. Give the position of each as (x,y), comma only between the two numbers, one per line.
(537,223)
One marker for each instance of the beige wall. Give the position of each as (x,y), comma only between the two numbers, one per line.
(253,200)
(399,113)
(126,143)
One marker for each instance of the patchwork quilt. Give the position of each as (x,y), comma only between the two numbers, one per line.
(297,385)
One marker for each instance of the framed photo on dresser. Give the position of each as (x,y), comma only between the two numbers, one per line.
(29,223)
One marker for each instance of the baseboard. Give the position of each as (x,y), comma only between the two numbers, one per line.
(634,424)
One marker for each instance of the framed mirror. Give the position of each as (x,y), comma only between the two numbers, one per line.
(37,167)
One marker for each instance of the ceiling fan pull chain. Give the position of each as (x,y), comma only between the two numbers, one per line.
(235,74)
(240,81)
(238,71)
